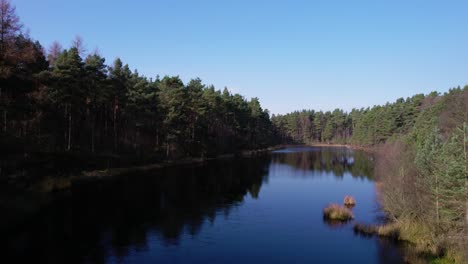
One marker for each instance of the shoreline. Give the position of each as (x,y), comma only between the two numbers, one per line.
(370,149)
(52,184)
(111,172)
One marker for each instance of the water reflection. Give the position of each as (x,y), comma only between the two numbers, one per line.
(228,211)
(336,160)
(335,224)
(115,216)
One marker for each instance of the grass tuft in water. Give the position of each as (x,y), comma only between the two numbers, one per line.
(349,201)
(337,212)
(387,230)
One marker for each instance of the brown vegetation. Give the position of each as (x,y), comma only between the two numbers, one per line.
(423,178)
(387,230)
(422,246)
(337,212)
(349,201)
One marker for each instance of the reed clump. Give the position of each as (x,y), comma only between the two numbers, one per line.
(387,230)
(349,201)
(337,212)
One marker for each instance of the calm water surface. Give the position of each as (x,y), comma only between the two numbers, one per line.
(265,209)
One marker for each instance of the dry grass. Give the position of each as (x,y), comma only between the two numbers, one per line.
(337,212)
(387,230)
(422,247)
(349,201)
(418,233)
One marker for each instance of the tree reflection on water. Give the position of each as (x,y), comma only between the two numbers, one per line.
(336,160)
(115,216)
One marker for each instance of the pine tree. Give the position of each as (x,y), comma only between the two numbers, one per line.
(119,76)
(68,90)
(96,90)
(173,96)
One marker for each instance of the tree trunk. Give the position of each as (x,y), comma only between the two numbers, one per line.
(115,124)
(135,138)
(465,140)
(39,132)
(4,120)
(92,136)
(193,133)
(105,121)
(437,200)
(125,132)
(157,138)
(4,115)
(167,148)
(25,126)
(65,115)
(69,128)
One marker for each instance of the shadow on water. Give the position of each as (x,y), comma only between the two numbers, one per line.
(114,215)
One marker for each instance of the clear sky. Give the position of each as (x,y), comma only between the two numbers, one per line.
(291,54)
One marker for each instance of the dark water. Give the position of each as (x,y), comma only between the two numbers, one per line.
(266,209)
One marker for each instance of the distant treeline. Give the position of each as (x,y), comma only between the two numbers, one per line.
(67,100)
(363,127)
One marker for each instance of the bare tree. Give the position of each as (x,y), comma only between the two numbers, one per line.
(78,43)
(10,27)
(54,51)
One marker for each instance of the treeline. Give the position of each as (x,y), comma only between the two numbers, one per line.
(425,177)
(309,126)
(64,100)
(364,127)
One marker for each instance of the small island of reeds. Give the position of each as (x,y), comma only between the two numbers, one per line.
(349,201)
(337,212)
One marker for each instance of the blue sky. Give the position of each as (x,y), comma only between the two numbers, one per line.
(291,54)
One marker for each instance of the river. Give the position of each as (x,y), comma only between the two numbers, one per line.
(264,209)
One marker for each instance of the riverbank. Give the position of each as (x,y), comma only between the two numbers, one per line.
(186,161)
(62,181)
(417,235)
(23,196)
(41,177)
(370,149)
